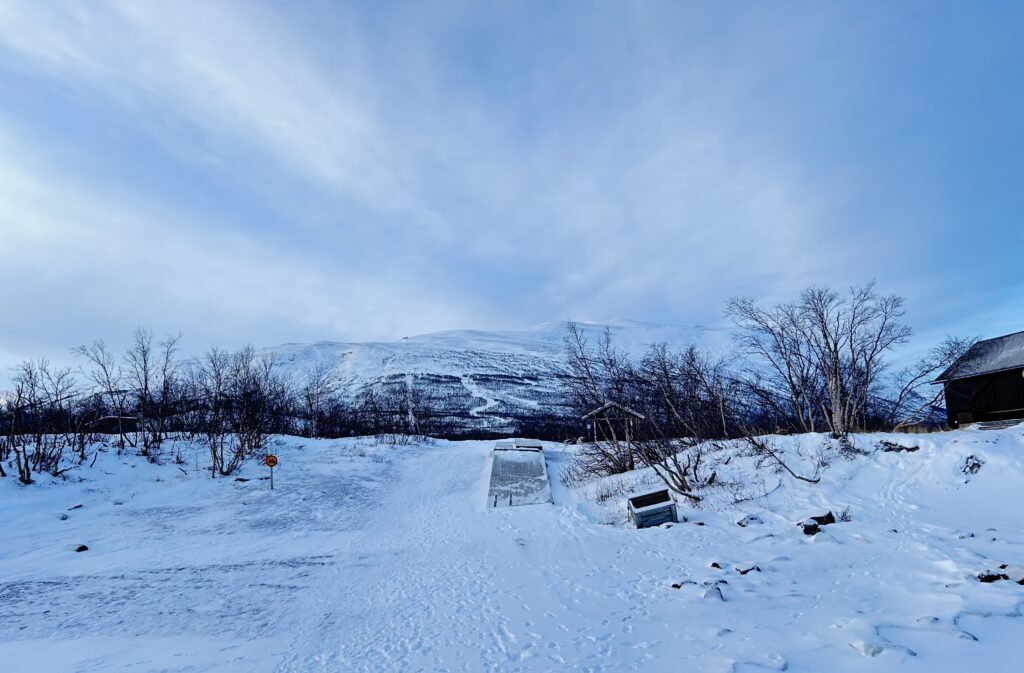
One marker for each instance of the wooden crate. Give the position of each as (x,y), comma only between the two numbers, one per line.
(652,509)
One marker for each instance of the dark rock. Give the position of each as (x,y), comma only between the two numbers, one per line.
(971,465)
(63,517)
(241,479)
(812,526)
(989,577)
(81,548)
(75,507)
(750,569)
(748,520)
(892,447)
(809,528)
(824,520)
(714,564)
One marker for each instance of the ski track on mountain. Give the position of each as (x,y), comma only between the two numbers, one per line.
(478,393)
(513,373)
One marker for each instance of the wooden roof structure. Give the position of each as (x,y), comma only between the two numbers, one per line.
(608,406)
(990,356)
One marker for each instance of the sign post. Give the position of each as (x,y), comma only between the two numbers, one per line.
(271,461)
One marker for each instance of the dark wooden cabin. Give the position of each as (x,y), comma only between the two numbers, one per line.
(987,382)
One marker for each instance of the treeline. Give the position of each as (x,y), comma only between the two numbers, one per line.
(228,402)
(817,364)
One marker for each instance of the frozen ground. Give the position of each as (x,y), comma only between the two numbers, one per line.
(372,558)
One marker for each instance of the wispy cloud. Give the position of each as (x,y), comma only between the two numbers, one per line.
(336,171)
(82,264)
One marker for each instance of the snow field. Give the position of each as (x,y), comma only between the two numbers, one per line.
(376,558)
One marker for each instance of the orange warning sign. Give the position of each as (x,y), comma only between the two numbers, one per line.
(271,461)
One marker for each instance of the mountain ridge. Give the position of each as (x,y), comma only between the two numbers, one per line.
(484,381)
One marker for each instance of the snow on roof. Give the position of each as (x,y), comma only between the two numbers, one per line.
(518,445)
(987,357)
(613,405)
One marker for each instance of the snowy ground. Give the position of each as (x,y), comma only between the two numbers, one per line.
(375,558)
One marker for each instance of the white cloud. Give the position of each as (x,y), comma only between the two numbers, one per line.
(592,165)
(83,263)
(232,70)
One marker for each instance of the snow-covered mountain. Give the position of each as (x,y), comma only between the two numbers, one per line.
(493,381)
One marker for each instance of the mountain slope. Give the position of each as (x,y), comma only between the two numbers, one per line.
(487,381)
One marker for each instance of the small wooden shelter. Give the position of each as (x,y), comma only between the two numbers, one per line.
(618,419)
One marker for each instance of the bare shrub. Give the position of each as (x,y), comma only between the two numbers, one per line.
(240,395)
(766,448)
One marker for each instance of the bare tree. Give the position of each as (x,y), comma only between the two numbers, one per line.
(42,422)
(168,372)
(257,394)
(105,375)
(318,396)
(787,370)
(23,398)
(915,394)
(850,337)
(594,377)
(825,352)
(682,402)
(210,383)
(139,361)
(688,404)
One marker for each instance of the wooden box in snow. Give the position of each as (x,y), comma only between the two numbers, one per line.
(652,509)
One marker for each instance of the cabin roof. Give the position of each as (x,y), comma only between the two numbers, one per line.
(988,357)
(613,405)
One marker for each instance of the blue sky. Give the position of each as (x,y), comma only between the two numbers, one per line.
(249,172)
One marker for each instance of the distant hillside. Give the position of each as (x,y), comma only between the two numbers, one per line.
(491,382)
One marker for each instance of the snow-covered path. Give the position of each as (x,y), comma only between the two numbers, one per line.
(450,586)
(373,558)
